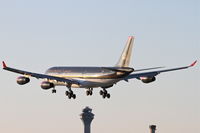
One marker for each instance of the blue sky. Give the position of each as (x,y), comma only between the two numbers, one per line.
(35,35)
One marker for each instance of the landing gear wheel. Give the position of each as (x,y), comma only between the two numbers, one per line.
(104,96)
(87,93)
(69,96)
(101,92)
(104,93)
(70,93)
(108,95)
(67,93)
(53,91)
(74,96)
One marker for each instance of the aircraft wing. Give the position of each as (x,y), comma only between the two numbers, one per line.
(155,73)
(39,76)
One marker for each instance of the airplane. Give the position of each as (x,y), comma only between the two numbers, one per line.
(92,77)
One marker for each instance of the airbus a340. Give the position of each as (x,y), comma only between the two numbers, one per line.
(92,77)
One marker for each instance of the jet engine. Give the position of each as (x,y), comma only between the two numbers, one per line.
(22,80)
(147,79)
(47,85)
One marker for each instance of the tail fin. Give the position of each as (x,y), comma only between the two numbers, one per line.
(124,60)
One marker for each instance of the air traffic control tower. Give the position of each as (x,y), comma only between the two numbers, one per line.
(152,128)
(87,116)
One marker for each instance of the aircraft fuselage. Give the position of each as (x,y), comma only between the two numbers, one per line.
(90,77)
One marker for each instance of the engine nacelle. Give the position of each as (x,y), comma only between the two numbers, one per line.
(147,79)
(47,85)
(22,80)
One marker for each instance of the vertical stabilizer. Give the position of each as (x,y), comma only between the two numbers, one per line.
(124,60)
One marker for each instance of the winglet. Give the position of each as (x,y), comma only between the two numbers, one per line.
(4,64)
(193,64)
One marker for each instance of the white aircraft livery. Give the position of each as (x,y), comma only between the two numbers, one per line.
(92,77)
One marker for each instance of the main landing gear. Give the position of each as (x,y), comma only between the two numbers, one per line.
(70,94)
(104,93)
(89,92)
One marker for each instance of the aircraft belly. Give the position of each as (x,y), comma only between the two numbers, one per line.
(94,83)
(89,83)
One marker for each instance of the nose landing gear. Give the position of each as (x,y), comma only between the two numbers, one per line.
(89,92)
(54,90)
